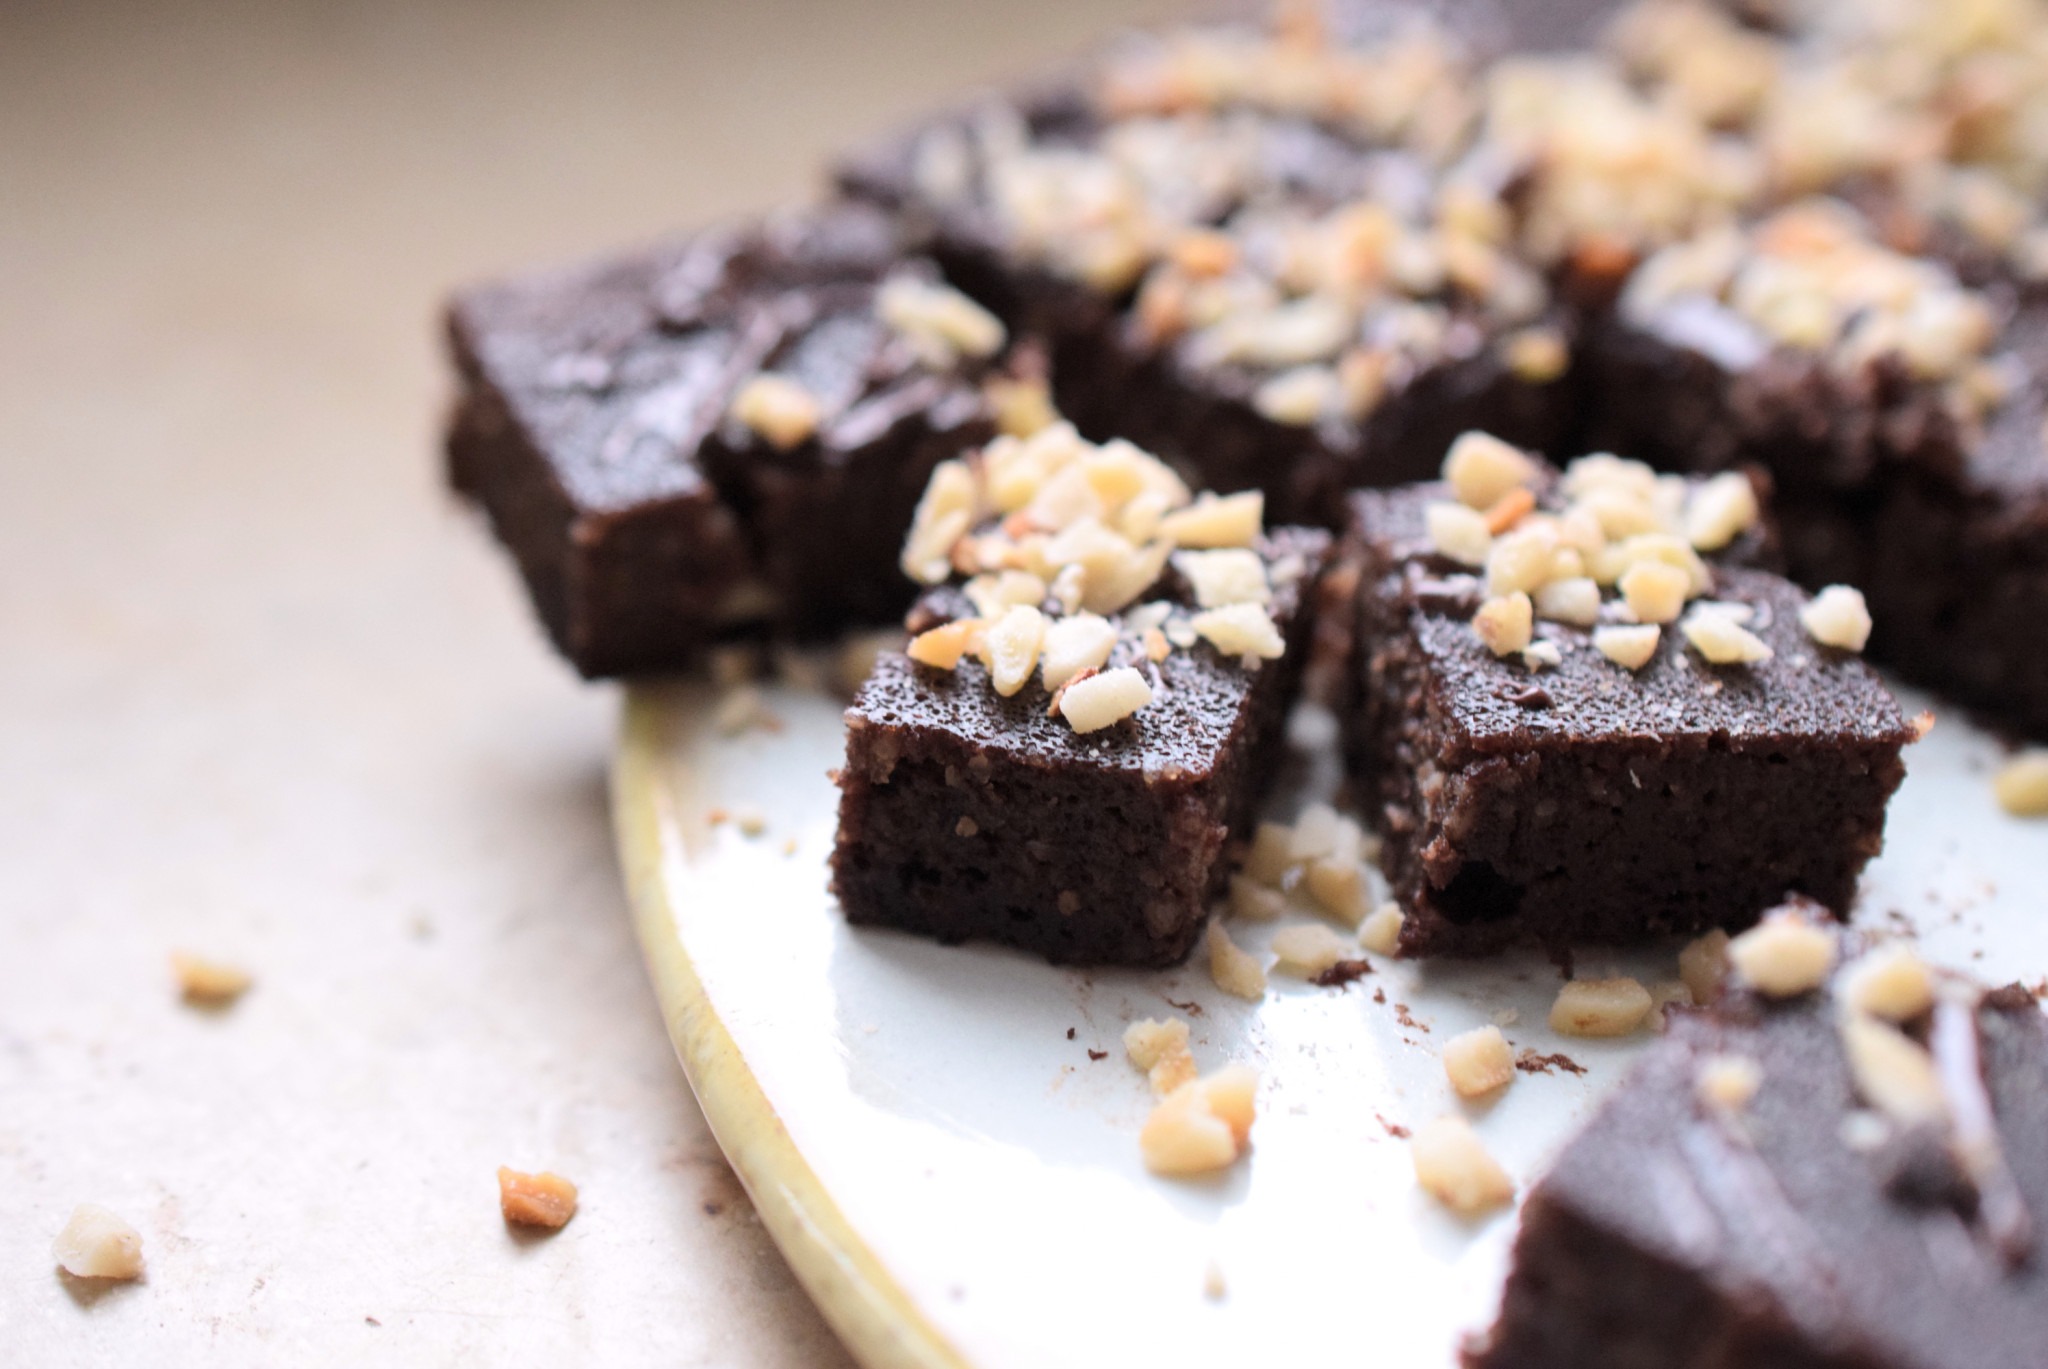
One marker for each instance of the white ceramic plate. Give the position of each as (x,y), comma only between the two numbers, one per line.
(955,1177)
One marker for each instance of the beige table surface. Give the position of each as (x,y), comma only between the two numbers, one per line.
(266,695)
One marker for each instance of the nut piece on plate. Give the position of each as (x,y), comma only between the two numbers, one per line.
(1161,1050)
(96,1244)
(1381,931)
(1307,949)
(2022,784)
(1455,1168)
(1784,955)
(541,1200)
(1479,1061)
(1203,1125)
(1703,965)
(208,983)
(1235,970)
(1600,1007)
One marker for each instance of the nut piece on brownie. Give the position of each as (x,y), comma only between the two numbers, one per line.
(1072,735)
(1604,791)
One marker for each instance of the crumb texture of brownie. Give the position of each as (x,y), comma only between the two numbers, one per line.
(1571,799)
(1800,1221)
(651,511)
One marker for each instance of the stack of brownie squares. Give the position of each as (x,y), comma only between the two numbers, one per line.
(1576,390)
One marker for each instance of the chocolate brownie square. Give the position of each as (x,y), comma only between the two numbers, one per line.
(715,435)
(1060,756)
(1852,1180)
(1579,729)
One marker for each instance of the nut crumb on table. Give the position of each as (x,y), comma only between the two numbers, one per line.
(209,983)
(97,1244)
(543,1200)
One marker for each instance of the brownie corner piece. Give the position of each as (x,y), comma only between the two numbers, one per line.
(717,434)
(1088,822)
(1762,1190)
(1583,777)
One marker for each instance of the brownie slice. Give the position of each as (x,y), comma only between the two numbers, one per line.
(1560,773)
(1906,443)
(1244,251)
(1091,837)
(1761,1192)
(657,493)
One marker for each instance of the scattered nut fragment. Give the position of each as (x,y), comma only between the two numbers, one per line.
(1230,520)
(1703,966)
(2022,784)
(1022,406)
(1654,591)
(1890,982)
(1574,600)
(1727,1083)
(96,1244)
(1838,617)
(1479,1061)
(1228,575)
(1253,901)
(1079,642)
(1241,630)
(1631,646)
(751,821)
(1010,648)
(1537,355)
(208,983)
(1338,885)
(1505,623)
(1297,396)
(1600,1007)
(1203,1125)
(1307,949)
(943,646)
(1380,933)
(1480,468)
(940,321)
(1784,955)
(1161,1050)
(1321,831)
(1454,1167)
(1271,855)
(1458,532)
(1235,970)
(1100,700)
(1722,640)
(1720,510)
(540,1200)
(1893,1072)
(1213,1286)
(778,408)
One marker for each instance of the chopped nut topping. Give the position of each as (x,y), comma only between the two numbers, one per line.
(1074,644)
(1221,578)
(1298,396)
(943,516)
(1255,902)
(1891,983)
(1654,591)
(1307,949)
(1455,1168)
(1599,1007)
(208,983)
(2022,785)
(1101,700)
(1235,970)
(1727,1083)
(1537,355)
(1722,640)
(1521,561)
(1721,510)
(1631,647)
(96,1244)
(1479,1061)
(1505,623)
(939,321)
(1022,407)
(1575,600)
(778,408)
(1241,630)
(1458,532)
(943,646)
(1202,1126)
(538,1200)
(1231,520)
(1893,1073)
(1783,956)
(1703,965)
(1380,933)
(1838,617)
(1480,469)
(1010,647)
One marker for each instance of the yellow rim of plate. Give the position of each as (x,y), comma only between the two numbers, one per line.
(869,1310)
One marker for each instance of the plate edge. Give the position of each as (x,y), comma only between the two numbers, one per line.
(870,1311)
